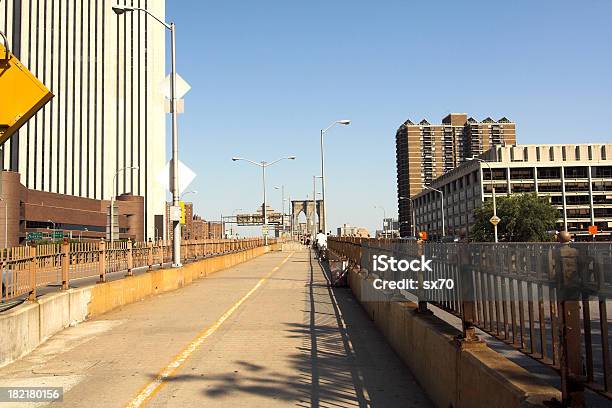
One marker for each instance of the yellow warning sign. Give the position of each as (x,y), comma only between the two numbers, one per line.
(183,220)
(21,94)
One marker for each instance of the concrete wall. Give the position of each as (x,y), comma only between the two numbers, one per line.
(26,326)
(452,374)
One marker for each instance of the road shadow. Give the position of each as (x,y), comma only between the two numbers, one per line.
(343,360)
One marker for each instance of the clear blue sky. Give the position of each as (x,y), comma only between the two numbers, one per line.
(268,74)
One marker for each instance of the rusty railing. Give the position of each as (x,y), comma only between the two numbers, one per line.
(27,269)
(550,301)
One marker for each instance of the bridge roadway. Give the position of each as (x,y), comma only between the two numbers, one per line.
(266,333)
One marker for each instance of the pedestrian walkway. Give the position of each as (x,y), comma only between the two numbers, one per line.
(266,333)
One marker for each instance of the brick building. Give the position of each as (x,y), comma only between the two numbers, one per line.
(426,151)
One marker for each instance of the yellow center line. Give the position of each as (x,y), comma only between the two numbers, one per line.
(177,362)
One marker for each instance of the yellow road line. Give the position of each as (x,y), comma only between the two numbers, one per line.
(158,383)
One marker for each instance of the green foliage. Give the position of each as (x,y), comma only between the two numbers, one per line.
(524,218)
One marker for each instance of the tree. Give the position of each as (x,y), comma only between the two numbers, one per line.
(524,218)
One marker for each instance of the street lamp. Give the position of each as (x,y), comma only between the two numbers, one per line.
(478,159)
(53,230)
(188,192)
(282,189)
(176,247)
(411,214)
(384,218)
(442,200)
(81,234)
(112,202)
(264,165)
(314,206)
(344,122)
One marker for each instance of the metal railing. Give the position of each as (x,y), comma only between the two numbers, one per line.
(26,269)
(548,300)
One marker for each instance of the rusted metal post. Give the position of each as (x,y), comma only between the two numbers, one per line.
(568,278)
(33,270)
(468,294)
(422,304)
(150,254)
(102,261)
(130,259)
(65,264)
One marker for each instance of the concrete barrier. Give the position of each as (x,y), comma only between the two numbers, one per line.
(454,374)
(28,325)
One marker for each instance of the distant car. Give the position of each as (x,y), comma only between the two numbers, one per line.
(449,239)
(410,238)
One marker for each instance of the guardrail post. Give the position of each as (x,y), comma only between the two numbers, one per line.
(65,264)
(162,249)
(422,302)
(150,254)
(102,261)
(568,278)
(33,270)
(468,294)
(130,259)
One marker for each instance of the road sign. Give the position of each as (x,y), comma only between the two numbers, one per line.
(186,176)
(182,87)
(593,230)
(58,234)
(21,95)
(182,205)
(34,236)
(175,213)
(495,220)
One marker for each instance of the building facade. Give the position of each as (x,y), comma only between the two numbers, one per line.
(28,214)
(203,229)
(426,151)
(108,110)
(347,230)
(577,179)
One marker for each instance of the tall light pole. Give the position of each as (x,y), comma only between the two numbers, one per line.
(478,159)
(264,165)
(384,218)
(112,202)
(344,122)
(53,230)
(411,214)
(314,206)
(282,189)
(176,252)
(442,201)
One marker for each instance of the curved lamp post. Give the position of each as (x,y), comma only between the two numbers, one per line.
(264,165)
(176,245)
(344,122)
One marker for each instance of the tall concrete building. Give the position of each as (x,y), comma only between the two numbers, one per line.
(108,111)
(575,178)
(426,151)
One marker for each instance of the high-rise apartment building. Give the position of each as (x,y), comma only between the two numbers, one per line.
(426,151)
(108,110)
(575,178)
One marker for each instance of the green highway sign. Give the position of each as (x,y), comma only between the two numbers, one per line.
(34,236)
